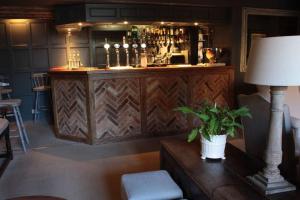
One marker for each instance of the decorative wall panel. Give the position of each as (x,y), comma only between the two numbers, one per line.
(39,34)
(5,57)
(58,57)
(22,84)
(70,110)
(81,37)
(163,94)
(57,38)
(117,108)
(211,87)
(40,59)
(19,34)
(22,59)
(28,46)
(3,38)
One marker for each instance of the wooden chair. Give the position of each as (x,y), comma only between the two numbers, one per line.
(8,155)
(5,90)
(14,104)
(40,83)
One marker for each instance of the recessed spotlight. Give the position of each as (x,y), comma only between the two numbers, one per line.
(79,24)
(125,22)
(162,23)
(196,23)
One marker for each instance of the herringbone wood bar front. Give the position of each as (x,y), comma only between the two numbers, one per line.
(100,106)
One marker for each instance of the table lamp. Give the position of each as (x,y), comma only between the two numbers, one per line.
(274,61)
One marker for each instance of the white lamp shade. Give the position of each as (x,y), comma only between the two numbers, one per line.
(274,61)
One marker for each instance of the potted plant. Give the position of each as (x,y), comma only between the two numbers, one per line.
(216,123)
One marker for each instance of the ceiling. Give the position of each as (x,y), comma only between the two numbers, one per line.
(60,2)
(285,4)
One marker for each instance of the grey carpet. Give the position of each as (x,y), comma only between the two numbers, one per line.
(74,171)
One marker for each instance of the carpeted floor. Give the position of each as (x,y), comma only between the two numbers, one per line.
(74,171)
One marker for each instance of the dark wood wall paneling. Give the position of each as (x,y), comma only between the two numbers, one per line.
(118,12)
(28,46)
(292,4)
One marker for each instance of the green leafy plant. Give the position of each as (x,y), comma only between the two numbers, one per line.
(215,120)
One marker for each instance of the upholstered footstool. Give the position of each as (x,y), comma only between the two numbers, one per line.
(154,185)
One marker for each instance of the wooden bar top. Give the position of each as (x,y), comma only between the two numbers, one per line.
(118,70)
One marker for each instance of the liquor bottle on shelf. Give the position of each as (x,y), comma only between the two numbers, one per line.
(200,46)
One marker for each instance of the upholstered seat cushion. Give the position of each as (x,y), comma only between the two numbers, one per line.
(154,185)
(10,102)
(3,125)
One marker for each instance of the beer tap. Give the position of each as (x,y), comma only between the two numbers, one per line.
(126,46)
(117,46)
(135,46)
(143,55)
(106,47)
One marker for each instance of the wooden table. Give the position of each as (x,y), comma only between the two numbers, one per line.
(213,179)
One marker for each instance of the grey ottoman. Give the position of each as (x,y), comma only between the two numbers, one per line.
(154,185)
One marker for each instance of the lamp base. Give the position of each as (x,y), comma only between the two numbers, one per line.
(270,185)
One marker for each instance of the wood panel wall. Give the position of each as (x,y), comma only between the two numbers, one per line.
(34,45)
(28,46)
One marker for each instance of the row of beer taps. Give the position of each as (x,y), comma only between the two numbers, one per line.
(126,47)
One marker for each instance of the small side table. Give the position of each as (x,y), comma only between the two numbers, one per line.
(6,157)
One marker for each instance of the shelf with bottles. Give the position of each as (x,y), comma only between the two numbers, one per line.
(155,45)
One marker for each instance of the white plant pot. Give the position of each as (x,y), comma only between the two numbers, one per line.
(215,148)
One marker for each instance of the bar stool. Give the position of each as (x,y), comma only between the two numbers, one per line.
(4,90)
(40,84)
(14,104)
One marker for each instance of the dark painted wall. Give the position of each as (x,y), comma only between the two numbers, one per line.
(33,46)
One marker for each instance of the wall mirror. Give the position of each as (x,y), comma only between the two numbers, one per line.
(257,22)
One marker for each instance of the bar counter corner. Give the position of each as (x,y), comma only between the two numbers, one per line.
(99,106)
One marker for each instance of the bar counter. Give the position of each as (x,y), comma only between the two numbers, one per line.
(99,106)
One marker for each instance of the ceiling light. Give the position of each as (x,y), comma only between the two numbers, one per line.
(125,22)
(79,24)
(196,23)
(17,20)
(162,23)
